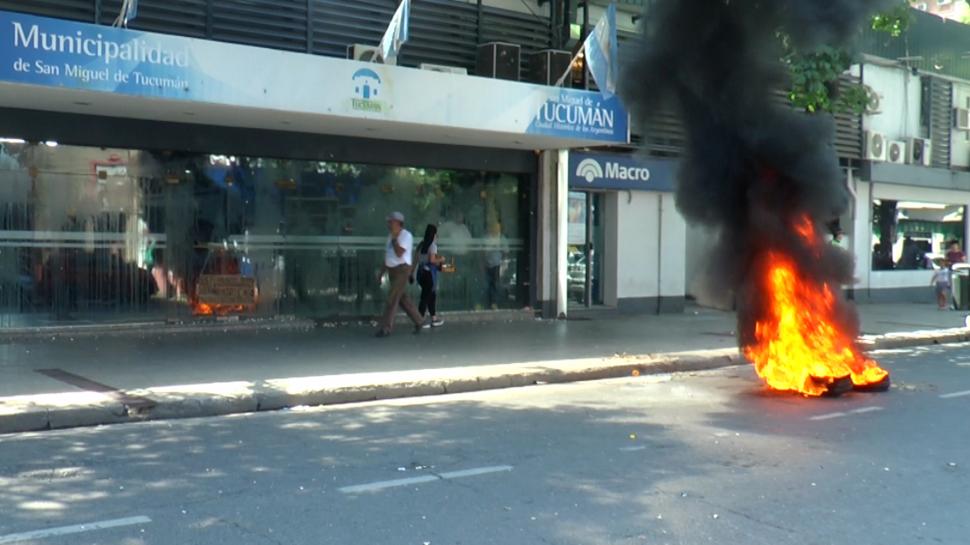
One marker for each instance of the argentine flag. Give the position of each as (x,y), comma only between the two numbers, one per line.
(397,33)
(600,52)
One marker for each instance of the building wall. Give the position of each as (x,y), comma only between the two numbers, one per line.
(650,252)
(956,10)
(699,241)
(899,102)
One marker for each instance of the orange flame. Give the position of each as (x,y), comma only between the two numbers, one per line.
(206,309)
(805,229)
(798,347)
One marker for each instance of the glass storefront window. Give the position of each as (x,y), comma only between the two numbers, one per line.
(909,235)
(90,234)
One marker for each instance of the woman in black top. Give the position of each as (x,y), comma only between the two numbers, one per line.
(428,264)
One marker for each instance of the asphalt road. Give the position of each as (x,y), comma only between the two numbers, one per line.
(683,459)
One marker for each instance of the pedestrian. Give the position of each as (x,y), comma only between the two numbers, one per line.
(837,234)
(943,283)
(428,266)
(494,258)
(911,254)
(955,254)
(397,264)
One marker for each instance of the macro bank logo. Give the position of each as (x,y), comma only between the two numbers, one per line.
(612,172)
(367,89)
(590,170)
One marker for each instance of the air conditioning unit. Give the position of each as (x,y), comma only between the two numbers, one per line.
(875,146)
(961,119)
(919,151)
(896,152)
(365,53)
(445,69)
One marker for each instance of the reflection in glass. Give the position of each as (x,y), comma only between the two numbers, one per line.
(586,241)
(91,234)
(909,235)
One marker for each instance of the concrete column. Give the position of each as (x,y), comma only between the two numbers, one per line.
(611,255)
(562,234)
(553,199)
(545,212)
(862,235)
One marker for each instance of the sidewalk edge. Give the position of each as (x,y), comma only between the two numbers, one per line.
(414,384)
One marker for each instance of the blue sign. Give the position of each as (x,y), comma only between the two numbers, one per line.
(620,171)
(582,114)
(60,54)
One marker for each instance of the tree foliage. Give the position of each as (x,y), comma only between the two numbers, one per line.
(815,74)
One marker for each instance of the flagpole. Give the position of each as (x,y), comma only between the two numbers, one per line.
(569,69)
(122,15)
(581,47)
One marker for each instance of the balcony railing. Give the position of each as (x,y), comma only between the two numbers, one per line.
(445,32)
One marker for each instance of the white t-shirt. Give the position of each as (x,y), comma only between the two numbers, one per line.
(432,250)
(404,240)
(943,277)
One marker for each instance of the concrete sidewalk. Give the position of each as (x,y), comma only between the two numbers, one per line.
(71,379)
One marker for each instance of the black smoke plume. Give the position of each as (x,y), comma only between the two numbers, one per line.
(752,164)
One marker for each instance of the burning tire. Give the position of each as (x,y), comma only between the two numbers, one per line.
(764,177)
(875,387)
(837,387)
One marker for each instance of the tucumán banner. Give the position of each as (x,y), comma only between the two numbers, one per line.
(620,171)
(59,54)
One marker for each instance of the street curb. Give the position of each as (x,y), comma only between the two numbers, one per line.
(191,401)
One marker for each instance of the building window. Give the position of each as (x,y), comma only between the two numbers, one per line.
(909,235)
(93,234)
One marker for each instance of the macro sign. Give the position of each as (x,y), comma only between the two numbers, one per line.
(57,55)
(620,171)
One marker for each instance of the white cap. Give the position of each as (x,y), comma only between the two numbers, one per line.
(396,216)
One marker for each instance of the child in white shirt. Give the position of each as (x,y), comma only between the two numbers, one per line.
(943,282)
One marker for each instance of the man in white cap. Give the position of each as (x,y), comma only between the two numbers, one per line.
(397,264)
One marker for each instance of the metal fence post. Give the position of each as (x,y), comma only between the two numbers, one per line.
(478,24)
(208,19)
(309,26)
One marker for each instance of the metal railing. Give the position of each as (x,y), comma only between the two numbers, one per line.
(445,32)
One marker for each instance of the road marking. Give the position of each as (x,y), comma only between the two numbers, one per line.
(75,529)
(381,485)
(394,483)
(474,472)
(829,416)
(632,449)
(955,394)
